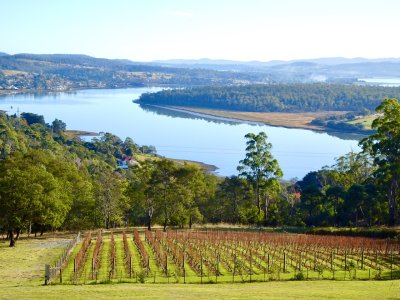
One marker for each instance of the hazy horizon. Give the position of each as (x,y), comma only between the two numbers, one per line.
(214,59)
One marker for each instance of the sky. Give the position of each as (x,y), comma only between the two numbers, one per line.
(246,30)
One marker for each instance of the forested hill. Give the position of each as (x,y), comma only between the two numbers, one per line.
(276,97)
(63,72)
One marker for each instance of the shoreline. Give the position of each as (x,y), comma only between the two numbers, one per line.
(287,120)
(240,117)
(72,133)
(207,167)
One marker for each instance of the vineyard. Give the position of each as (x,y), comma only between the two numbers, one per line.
(224,256)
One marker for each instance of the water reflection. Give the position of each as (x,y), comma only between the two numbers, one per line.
(180,134)
(182,113)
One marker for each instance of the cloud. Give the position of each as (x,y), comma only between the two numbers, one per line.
(177,13)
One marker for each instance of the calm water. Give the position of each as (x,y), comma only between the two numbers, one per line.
(382,81)
(179,135)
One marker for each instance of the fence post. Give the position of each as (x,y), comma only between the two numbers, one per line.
(201,269)
(284,262)
(301,260)
(183,265)
(391,263)
(92,268)
(251,265)
(362,260)
(130,266)
(166,264)
(46,274)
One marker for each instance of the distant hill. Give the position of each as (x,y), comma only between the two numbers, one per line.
(335,69)
(297,97)
(70,71)
(75,71)
(322,61)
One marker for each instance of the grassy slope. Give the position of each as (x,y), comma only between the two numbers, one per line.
(21,276)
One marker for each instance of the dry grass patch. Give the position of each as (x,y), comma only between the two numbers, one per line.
(291,120)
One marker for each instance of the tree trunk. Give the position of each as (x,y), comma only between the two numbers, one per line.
(165,226)
(11,236)
(190,221)
(30,229)
(41,230)
(392,201)
(258,198)
(18,231)
(149,223)
(266,204)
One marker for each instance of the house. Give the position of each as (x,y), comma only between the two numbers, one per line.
(126,161)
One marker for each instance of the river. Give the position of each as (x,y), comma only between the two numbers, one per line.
(177,134)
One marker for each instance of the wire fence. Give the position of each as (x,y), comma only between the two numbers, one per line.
(52,271)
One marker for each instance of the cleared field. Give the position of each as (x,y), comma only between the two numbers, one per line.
(22,273)
(13,72)
(365,121)
(290,120)
(77,133)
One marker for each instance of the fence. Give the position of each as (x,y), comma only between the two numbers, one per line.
(211,257)
(51,272)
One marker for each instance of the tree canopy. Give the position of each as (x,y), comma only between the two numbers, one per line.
(294,97)
(384,146)
(261,169)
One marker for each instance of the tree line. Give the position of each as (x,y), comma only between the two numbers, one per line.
(295,97)
(51,181)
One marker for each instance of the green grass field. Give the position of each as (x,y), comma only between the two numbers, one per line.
(22,277)
(365,121)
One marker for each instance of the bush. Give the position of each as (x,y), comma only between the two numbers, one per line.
(141,276)
(299,276)
(364,232)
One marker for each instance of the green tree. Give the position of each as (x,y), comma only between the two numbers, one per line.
(110,197)
(163,186)
(129,147)
(30,192)
(32,118)
(141,193)
(9,141)
(234,197)
(353,168)
(194,189)
(260,168)
(58,126)
(384,146)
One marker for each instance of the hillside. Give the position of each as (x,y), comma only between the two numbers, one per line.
(76,71)
(63,72)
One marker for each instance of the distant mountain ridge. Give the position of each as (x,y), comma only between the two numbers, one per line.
(72,71)
(322,60)
(336,69)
